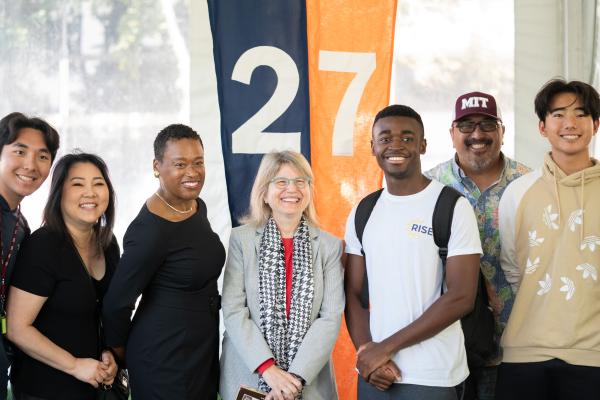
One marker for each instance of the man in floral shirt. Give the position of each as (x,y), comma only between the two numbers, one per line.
(481,172)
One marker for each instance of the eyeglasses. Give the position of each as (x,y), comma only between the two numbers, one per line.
(485,126)
(281,183)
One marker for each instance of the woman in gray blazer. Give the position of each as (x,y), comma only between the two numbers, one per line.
(283,292)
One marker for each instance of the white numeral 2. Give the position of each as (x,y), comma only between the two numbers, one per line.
(250,136)
(363,64)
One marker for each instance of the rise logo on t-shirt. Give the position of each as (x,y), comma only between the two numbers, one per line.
(418,228)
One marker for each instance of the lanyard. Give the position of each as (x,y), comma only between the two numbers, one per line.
(6,260)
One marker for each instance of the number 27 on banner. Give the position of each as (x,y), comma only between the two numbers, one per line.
(251,138)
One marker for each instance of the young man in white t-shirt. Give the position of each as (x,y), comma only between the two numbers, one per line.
(410,343)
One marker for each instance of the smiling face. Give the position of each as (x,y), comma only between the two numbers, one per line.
(181,171)
(397,145)
(24,166)
(85,196)
(477,151)
(287,202)
(568,128)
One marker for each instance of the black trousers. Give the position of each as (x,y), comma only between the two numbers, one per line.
(16,395)
(547,380)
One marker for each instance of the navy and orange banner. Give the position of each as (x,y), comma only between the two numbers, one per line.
(307,76)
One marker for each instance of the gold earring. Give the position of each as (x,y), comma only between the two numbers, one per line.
(156,174)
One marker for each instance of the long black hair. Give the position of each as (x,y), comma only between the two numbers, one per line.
(53,218)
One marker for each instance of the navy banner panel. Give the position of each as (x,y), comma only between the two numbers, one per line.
(261,62)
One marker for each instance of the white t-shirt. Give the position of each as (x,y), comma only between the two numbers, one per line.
(405,276)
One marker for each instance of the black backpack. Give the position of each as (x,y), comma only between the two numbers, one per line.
(478,326)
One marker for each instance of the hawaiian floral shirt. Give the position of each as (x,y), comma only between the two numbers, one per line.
(485,205)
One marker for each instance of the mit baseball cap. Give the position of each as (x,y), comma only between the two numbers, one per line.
(476,103)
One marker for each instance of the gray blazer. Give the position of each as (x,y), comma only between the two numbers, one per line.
(244,347)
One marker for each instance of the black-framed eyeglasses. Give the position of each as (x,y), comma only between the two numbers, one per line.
(487,125)
(281,182)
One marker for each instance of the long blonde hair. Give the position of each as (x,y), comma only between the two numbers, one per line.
(259,212)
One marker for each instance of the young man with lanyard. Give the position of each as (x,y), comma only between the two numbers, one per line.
(481,172)
(549,225)
(410,343)
(27,148)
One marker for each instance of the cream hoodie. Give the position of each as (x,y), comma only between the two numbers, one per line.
(550,252)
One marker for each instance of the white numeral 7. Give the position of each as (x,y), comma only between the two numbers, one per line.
(363,64)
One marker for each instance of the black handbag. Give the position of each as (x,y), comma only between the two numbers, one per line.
(119,390)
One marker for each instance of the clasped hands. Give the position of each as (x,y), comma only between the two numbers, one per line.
(375,365)
(96,372)
(284,386)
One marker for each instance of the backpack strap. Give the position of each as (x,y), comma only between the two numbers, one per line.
(363,212)
(442,223)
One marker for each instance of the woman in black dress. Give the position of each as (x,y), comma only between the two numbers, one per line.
(173,259)
(62,273)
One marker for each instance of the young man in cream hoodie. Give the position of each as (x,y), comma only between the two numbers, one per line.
(549,225)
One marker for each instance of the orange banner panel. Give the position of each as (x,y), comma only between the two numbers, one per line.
(350,51)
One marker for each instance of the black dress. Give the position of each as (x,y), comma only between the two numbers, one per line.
(172,343)
(49,266)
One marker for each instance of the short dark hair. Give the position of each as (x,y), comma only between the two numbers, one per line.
(173,132)
(53,218)
(11,125)
(399,110)
(584,92)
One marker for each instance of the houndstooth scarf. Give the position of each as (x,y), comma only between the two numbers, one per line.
(284,335)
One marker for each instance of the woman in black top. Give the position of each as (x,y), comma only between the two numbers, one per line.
(62,272)
(173,259)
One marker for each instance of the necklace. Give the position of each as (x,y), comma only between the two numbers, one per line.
(173,208)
